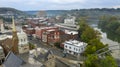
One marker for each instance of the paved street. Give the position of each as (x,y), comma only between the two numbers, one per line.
(55,50)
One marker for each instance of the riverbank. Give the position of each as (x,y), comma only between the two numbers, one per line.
(105,40)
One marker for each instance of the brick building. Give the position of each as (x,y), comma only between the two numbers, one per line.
(51,36)
(27,30)
(48,34)
(39,31)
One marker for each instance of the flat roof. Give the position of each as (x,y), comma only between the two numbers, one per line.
(51,30)
(75,42)
(45,28)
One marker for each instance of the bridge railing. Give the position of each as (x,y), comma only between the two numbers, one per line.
(106,50)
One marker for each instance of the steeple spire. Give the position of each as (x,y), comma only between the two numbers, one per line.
(13,24)
(14,38)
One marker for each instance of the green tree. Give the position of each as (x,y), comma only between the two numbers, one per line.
(108,62)
(88,34)
(31,46)
(93,46)
(110,25)
(92,61)
(95,61)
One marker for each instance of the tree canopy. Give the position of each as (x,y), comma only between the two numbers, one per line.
(92,37)
(111,25)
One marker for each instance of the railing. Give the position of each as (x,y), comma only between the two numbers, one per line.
(107,50)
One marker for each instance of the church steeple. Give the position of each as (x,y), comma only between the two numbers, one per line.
(13,25)
(14,38)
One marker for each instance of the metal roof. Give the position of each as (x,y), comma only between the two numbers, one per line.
(12,60)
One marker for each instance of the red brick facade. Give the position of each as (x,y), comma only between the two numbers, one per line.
(48,34)
(39,31)
(28,31)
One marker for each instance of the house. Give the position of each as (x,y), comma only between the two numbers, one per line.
(74,47)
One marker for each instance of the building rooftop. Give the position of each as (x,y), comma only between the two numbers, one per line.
(75,42)
(51,30)
(45,28)
(3,37)
(0,47)
(71,32)
(16,61)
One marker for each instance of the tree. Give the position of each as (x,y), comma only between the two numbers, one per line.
(31,46)
(110,25)
(95,61)
(88,34)
(57,44)
(93,46)
(92,61)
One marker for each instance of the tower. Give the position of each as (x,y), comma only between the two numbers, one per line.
(14,38)
(1,26)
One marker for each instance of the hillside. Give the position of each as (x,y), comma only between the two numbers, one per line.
(12,11)
(49,12)
(95,13)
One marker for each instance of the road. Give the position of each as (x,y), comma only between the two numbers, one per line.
(56,51)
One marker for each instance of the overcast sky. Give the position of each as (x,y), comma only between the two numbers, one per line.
(58,4)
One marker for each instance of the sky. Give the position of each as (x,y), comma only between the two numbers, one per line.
(26,5)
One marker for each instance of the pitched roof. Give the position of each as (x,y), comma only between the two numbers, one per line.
(43,57)
(12,60)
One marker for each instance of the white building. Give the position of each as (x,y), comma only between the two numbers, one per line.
(74,47)
(1,26)
(23,42)
(23,45)
(70,20)
(71,32)
(2,56)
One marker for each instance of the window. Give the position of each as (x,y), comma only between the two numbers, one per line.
(82,49)
(24,39)
(21,40)
(74,48)
(69,47)
(66,46)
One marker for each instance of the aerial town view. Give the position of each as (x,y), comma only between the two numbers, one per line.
(59,33)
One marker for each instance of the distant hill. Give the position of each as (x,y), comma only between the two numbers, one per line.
(49,12)
(31,12)
(95,13)
(12,11)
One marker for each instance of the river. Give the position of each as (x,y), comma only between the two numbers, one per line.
(105,40)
